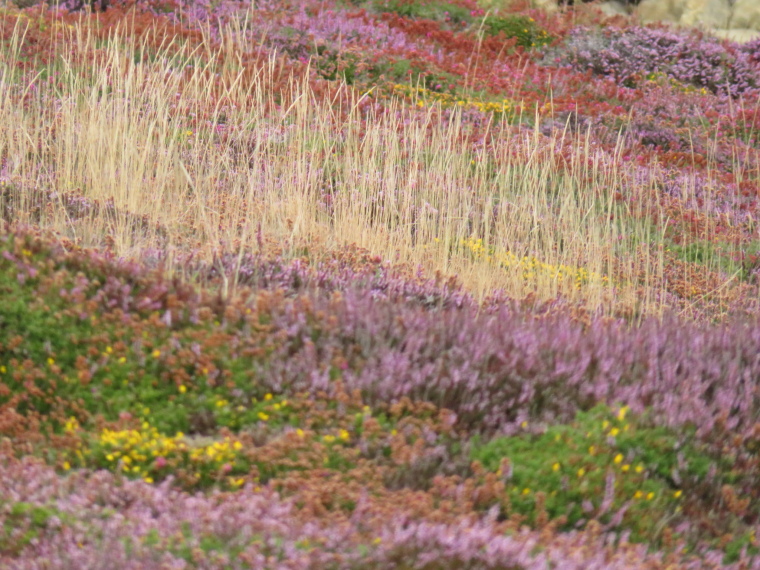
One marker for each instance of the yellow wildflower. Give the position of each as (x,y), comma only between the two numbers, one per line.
(182,389)
(71,425)
(618,458)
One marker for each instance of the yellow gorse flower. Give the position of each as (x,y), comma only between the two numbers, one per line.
(445,100)
(530,268)
(71,425)
(138,450)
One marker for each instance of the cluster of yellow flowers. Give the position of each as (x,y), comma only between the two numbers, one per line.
(138,452)
(343,436)
(425,97)
(218,452)
(612,430)
(658,77)
(276,407)
(532,268)
(135,450)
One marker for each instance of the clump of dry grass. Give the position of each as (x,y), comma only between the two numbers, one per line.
(115,144)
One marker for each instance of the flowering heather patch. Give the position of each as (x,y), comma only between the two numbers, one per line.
(342,403)
(635,52)
(222,382)
(94,520)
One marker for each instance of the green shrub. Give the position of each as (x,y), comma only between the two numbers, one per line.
(523,28)
(610,466)
(450,13)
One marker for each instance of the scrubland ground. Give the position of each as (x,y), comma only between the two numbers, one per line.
(377,284)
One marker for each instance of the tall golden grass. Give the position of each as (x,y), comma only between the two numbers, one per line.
(399,183)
